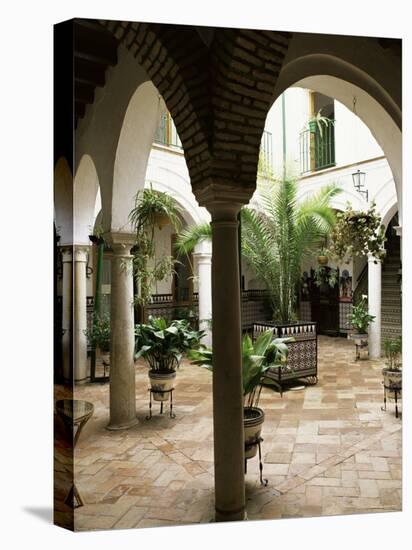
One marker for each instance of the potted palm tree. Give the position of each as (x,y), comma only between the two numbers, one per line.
(392,373)
(275,239)
(161,343)
(257,358)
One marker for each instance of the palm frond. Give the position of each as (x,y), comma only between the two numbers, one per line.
(192,235)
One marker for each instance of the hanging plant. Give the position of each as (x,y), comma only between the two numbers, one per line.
(323,256)
(152,209)
(321,275)
(318,123)
(357,234)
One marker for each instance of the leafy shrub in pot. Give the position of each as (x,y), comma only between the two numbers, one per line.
(392,373)
(162,343)
(99,336)
(257,358)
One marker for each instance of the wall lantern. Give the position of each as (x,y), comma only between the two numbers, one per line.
(358,178)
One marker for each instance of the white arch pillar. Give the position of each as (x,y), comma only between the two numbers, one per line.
(203,258)
(374,305)
(80,314)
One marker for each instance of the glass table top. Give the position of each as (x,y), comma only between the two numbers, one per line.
(75,409)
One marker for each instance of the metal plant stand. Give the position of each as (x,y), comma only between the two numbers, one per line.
(257,442)
(360,347)
(170,392)
(397,392)
(74,413)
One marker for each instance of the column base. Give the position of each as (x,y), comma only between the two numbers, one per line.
(227,515)
(82,381)
(127,425)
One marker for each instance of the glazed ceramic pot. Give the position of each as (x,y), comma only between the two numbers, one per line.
(161,383)
(253,418)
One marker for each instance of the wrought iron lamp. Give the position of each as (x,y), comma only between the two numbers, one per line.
(358,178)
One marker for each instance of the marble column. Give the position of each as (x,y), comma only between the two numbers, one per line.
(122,369)
(80,314)
(227,365)
(203,259)
(67,305)
(374,305)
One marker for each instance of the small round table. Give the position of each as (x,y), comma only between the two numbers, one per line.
(74,413)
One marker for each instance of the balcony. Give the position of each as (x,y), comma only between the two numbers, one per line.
(265,165)
(166,133)
(316,149)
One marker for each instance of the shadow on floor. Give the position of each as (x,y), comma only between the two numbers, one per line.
(42,512)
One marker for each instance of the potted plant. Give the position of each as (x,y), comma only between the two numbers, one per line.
(392,373)
(275,240)
(357,233)
(322,274)
(99,336)
(318,122)
(257,358)
(323,256)
(151,209)
(161,343)
(361,320)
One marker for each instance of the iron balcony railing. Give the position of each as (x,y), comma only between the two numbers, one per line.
(266,154)
(316,149)
(166,133)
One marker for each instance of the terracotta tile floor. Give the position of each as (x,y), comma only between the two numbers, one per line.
(328,449)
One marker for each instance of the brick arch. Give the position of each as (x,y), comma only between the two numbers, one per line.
(245,67)
(218,93)
(175,58)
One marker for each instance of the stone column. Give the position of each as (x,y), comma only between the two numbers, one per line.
(374,305)
(80,314)
(227,365)
(203,258)
(122,369)
(67,305)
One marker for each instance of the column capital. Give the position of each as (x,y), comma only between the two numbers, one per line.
(203,249)
(121,243)
(80,253)
(67,253)
(374,259)
(398,230)
(220,195)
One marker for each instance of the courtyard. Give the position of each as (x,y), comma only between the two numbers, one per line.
(220,181)
(328,449)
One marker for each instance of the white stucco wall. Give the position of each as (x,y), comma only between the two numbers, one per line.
(354,141)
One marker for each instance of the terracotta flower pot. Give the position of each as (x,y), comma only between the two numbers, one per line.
(322,260)
(253,418)
(160,383)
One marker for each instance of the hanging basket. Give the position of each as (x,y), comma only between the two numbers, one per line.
(161,220)
(322,260)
